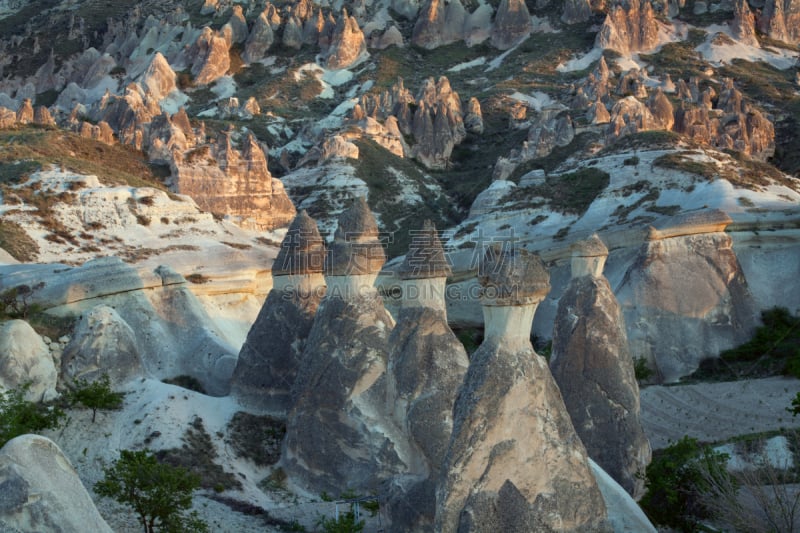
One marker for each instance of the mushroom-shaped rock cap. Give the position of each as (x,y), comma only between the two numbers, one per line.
(425,257)
(302,250)
(512,276)
(591,247)
(703,221)
(356,249)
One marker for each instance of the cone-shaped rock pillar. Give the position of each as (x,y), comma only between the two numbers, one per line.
(514,462)
(338,433)
(592,364)
(427,364)
(269,359)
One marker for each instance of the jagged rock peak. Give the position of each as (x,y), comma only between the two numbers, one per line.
(159,78)
(512,23)
(238,25)
(575,11)
(743,25)
(302,249)
(356,249)
(426,257)
(430,25)
(629,27)
(259,41)
(473,118)
(347,44)
(512,276)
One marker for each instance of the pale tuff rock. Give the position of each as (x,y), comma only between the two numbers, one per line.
(99,132)
(128,114)
(25,112)
(743,26)
(8,118)
(25,359)
(596,85)
(455,18)
(575,11)
(347,44)
(592,364)
(686,283)
(512,23)
(338,433)
(633,83)
(428,30)
(337,147)
(780,20)
(273,16)
(598,114)
(224,180)
(514,462)
(103,343)
(42,117)
(259,41)
(661,108)
(270,357)
(473,118)
(629,27)
(169,137)
(159,78)
(629,116)
(42,491)
(427,365)
(551,129)
(390,37)
(211,58)
(355,250)
(438,124)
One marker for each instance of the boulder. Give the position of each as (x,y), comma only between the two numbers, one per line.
(41,491)
(686,282)
(25,358)
(438,124)
(514,462)
(271,355)
(238,25)
(427,364)
(292,33)
(103,343)
(593,367)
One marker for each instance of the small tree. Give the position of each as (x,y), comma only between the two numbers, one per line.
(160,494)
(96,395)
(19,416)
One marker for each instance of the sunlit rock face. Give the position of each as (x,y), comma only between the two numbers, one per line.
(338,432)
(271,355)
(594,370)
(629,27)
(426,367)
(514,462)
(686,283)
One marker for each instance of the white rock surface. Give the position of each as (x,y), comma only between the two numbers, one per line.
(25,358)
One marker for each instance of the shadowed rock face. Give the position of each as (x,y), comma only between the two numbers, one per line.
(514,462)
(356,249)
(270,357)
(593,367)
(629,27)
(686,283)
(511,24)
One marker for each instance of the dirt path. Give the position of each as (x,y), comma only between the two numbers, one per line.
(717,411)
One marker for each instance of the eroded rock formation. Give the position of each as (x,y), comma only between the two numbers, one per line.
(514,462)
(24,358)
(743,26)
(427,364)
(629,27)
(347,44)
(512,23)
(338,433)
(271,355)
(592,364)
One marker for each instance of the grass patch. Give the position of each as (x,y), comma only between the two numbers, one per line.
(678,161)
(679,59)
(257,438)
(773,350)
(645,140)
(555,158)
(197,455)
(570,193)
(17,242)
(186,382)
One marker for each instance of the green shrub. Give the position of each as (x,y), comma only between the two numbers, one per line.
(96,395)
(641,369)
(160,494)
(19,416)
(676,479)
(346,523)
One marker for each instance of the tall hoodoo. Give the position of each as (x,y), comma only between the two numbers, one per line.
(514,462)
(426,366)
(592,364)
(338,434)
(270,357)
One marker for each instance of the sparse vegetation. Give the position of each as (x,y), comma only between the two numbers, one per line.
(186,382)
(678,161)
(19,416)
(159,494)
(257,438)
(641,369)
(96,395)
(570,193)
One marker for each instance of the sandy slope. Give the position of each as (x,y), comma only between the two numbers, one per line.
(717,411)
